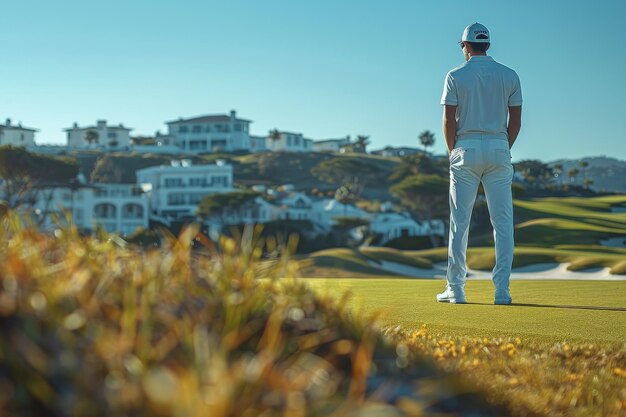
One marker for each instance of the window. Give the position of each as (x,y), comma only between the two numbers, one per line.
(197,182)
(196,198)
(220,181)
(197,129)
(22,137)
(296,140)
(173,182)
(289,140)
(182,129)
(207,128)
(197,144)
(78,214)
(176,199)
(237,127)
(112,135)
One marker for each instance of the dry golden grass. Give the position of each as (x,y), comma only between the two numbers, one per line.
(93,328)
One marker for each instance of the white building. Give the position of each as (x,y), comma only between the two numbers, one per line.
(398,152)
(118,208)
(330,145)
(326,210)
(174,192)
(211,133)
(16,135)
(99,136)
(295,206)
(289,142)
(258,144)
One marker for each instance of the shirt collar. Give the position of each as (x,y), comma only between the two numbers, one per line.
(481,58)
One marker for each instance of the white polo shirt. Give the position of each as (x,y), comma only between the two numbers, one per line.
(482,89)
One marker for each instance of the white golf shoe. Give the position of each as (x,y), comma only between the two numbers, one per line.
(449,296)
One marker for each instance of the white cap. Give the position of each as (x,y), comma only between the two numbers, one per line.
(476,33)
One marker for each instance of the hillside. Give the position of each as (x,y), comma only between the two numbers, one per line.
(569,230)
(272,169)
(608,174)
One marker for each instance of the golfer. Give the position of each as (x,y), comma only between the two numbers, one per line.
(482,114)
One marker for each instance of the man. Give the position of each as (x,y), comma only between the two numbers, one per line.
(482,102)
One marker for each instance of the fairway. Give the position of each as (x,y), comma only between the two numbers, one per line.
(544,311)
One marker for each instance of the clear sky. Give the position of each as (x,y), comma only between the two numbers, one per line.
(326,68)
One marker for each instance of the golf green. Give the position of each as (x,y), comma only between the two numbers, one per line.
(545,311)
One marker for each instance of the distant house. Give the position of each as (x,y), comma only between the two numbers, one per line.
(99,136)
(289,142)
(16,135)
(175,191)
(330,145)
(399,151)
(210,133)
(258,144)
(117,208)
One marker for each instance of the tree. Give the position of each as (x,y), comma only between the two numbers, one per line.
(345,170)
(91,137)
(348,194)
(587,182)
(427,138)
(217,206)
(361,144)
(583,165)
(572,173)
(27,177)
(426,196)
(535,172)
(418,164)
(274,136)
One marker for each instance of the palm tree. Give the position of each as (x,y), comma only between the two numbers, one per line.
(584,165)
(361,143)
(91,137)
(274,135)
(427,138)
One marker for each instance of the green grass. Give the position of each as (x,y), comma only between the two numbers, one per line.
(347,263)
(554,221)
(550,311)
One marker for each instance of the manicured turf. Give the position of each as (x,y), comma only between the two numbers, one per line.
(544,311)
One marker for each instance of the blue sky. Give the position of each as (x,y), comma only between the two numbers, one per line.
(324,68)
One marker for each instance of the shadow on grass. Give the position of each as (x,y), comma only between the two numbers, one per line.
(599,308)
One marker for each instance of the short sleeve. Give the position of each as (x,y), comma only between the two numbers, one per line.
(449,92)
(515,99)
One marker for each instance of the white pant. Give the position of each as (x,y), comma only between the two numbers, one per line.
(473,161)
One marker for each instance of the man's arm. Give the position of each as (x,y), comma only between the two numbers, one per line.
(449,126)
(515,123)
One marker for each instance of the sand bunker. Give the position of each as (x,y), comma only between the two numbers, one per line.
(554,271)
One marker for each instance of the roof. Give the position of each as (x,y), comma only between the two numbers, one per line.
(209,118)
(342,140)
(18,127)
(109,127)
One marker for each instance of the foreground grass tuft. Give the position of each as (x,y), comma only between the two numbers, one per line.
(93,328)
(559,379)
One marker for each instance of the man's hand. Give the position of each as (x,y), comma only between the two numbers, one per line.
(449,126)
(515,123)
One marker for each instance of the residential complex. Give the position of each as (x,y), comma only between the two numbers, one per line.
(211,133)
(16,135)
(100,135)
(175,191)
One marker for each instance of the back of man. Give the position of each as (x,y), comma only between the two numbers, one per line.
(482,117)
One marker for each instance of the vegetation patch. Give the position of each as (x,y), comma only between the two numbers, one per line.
(90,328)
